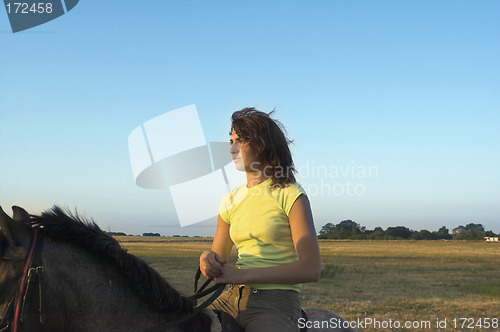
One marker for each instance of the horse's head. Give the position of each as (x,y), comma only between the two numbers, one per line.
(15,236)
(61,273)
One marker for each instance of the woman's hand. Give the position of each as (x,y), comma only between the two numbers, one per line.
(231,275)
(211,264)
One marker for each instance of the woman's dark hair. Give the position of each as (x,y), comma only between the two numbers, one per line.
(266,137)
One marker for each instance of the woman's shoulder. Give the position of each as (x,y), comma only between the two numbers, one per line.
(287,195)
(293,189)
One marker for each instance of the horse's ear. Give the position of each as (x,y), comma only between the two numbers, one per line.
(4,222)
(20,213)
(16,231)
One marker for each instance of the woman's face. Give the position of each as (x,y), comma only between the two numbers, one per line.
(244,158)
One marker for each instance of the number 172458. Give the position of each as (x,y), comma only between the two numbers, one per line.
(472,323)
(25,8)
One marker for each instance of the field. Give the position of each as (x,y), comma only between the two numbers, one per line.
(391,283)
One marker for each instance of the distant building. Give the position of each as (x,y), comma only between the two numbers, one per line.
(491,239)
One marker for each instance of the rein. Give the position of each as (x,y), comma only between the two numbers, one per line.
(198,293)
(32,272)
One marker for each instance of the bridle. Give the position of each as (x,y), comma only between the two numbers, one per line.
(33,273)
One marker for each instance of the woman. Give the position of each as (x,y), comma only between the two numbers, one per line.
(270,222)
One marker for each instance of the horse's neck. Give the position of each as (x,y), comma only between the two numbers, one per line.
(92,293)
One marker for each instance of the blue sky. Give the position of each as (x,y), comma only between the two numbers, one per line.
(410,89)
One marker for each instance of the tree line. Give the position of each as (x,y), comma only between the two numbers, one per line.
(348,229)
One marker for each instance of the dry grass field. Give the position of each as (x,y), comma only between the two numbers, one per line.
(419,282)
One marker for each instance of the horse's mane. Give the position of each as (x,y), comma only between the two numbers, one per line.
(61,225)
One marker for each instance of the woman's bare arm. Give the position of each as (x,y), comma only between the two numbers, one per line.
(212,261)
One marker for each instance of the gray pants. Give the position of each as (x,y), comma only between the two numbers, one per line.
(258,310)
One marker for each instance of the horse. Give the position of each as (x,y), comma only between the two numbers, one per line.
(60,272)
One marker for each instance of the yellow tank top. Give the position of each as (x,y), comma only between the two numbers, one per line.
(259,226)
